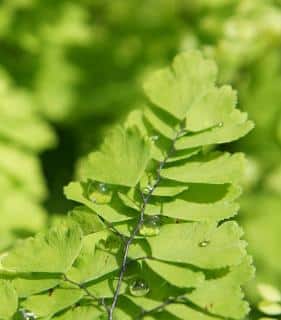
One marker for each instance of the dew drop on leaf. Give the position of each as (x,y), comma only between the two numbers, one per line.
(99,193)
(148,189)
(103,188)
(204,243)
(220,124)
(154,138)
(139,287)
(151,226)
(28,315)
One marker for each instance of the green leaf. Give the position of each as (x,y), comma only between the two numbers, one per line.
(159,289)
(175,90)
(212,109)
(208,246)
(178,275)
(116,162)
(227,133)
(83,312)
(9,300)
(220,297)
(208,300)
(53,251)
(126,309)
(98,257)
(88,222)
(224,296)
(201,202)
(34,283)
(105,288)
(110,212)
(217,168)
(165,188)
(182,311)
(220,206)
(49,303)
(162,123)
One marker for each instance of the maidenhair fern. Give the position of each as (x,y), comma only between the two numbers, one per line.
(153,236)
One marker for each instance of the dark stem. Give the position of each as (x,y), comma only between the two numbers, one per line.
(114,230)
(145,199)
(86,290)
(162,306)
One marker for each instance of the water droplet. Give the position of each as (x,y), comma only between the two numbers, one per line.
(220,124)
(154,138)
(204,243)
(99,193)
(28,315)
(151,226)
(139,287)
(103,188)
(148,189)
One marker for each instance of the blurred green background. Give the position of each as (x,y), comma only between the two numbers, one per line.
(71,69)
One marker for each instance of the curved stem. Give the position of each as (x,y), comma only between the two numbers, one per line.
(146,198)
(86,290)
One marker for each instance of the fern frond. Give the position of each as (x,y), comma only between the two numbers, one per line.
(153,238)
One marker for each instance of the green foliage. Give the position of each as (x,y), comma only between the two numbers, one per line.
(78,64)
(9,299)
(127,144)
(59,245)
(24,134)
(153,239)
